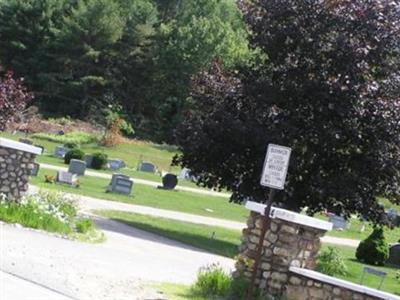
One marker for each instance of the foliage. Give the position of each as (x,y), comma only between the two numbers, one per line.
(45,210)
(329,90)
(79,56)
(84,225)
(77,138)
(374,249)
(99,160)
(212,281)
(73,154)
(331,262)
(13,98)
(49,179)
(114,113)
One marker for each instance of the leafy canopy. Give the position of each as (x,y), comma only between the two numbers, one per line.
(329,89)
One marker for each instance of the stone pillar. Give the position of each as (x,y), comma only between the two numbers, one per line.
(16,163)
(291,240)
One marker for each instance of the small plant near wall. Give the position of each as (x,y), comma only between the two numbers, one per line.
(212,282)
(330,262)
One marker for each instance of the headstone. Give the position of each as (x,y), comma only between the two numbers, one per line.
(169,181)
(60,151)
(147,167)
(184,174)
(120,184)
(338,222)
(77,167)
(26,141)
(35,170)
(88,160)
(115,164)
(393,217)
(67,177)
(394,255)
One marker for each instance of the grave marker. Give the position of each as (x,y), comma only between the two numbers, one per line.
(147,167)
(60,151)
(115,164)
(120,184)
(394,255)
(77,167)
(67,178)
(35,170)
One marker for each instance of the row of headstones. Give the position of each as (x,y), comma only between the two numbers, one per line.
(120,183)
(113,164)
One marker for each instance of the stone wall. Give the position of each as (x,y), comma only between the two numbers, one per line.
(289,255)
(286,244)
(15,168)
(308,284)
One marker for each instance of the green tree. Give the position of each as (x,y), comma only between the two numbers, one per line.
(330,90)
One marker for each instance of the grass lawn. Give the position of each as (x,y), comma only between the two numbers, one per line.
(225,241)
(149,196)
(178,292)
(355,268)
(392,235)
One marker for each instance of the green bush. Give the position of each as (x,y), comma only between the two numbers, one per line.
(99,160)
(374,249)
(330,262)
(84,225)
(212,281)
(78,138)
(73,154)
(71,145)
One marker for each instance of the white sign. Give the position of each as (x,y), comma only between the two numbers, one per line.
(275,166)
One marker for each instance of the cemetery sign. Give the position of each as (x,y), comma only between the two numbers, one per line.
(275,166)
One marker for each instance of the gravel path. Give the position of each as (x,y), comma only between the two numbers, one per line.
(119,269)
(142,181)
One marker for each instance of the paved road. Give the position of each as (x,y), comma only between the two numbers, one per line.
(116,269)
(142,181)
(16,288)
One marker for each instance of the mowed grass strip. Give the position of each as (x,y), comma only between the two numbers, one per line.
(213,239)
(355,270)
(192,203)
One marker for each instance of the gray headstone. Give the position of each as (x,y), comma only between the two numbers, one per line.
(88,160)
(115,164)
(120,184)
(67,177)
(147,167)
(184,174)
(77,167)
(60,151)
(26,141)
(394,255)
(35,170)
(169,181)
(338,222)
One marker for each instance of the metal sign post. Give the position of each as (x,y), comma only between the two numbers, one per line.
(273,176)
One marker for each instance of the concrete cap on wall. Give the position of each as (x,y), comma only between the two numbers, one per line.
(290,216)
(7,143)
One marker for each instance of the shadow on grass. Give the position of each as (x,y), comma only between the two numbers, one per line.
(189,241)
